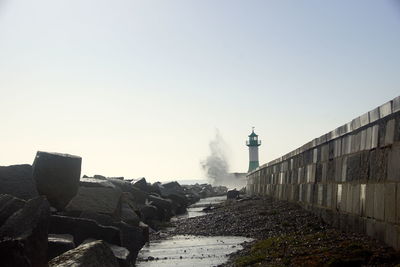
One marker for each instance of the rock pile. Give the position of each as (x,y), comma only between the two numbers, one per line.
(51,216)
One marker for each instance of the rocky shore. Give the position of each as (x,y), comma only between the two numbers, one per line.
(51,216)
(285,235)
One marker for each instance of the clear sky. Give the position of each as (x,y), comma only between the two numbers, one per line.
(138,88)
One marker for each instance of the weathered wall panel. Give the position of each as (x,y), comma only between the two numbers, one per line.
(349,176)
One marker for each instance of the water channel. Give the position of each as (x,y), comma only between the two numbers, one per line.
(188,250)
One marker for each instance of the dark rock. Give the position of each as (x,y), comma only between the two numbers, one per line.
(92,254)
(121,254)
(128,215)
(121,184)
(232,194)
(82,229)
(8,206)
(17,180)
(58,244)
(132,237)
(98,199)
(12,253)
(102,219)
(101,177)
(57,177)
(139,196)
(95,182)
(141,184)
(164,207)
(149,212)
(26,231)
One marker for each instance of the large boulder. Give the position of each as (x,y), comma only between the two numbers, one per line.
(12,253)
(95,182)
(149,213)
(122,254)
(8,206)
(24,234)
(128,208)
(17,180)
(57,177)
(82,229)
(164,207)
(132,237)
(232,194)
(142,184)
(92,254)
(58,244)
(171,188)
(97,199)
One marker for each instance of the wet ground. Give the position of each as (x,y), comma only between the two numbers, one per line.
(190,250)
(284,235)
(187,250)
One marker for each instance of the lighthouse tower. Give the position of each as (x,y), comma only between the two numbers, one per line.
(253,143)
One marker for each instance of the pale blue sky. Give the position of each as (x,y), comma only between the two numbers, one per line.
(137,88)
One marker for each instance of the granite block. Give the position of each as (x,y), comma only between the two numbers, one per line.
(344,169)
(379,202)
(362,199)
(374,136)
(390,202)
(369,200)
(385,109)
(364,119)
(398,204)
(374,115)
(389,134)
(363,140)
(391,235)
(356,199)
(396,104)
(353,167)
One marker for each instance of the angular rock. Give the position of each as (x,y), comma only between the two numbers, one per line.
(92,254)
(82,229)
(128,215)
(58,244)
(141,184)
(97,199)
(26,231)
(149,212)
(101,219)
(121,184)
(132,237)
(8,206)
(122,254)
(164,207)
(232,194)
(95,182)
(12,253)
(57,177)
(17,180)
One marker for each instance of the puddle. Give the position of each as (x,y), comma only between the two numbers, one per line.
(186,250)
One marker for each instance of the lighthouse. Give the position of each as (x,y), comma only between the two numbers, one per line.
(253,143)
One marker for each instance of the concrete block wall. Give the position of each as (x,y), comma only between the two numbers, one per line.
(349,176)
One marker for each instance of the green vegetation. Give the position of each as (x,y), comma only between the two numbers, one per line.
(313,249)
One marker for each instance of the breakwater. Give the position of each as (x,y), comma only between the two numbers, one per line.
(350,177)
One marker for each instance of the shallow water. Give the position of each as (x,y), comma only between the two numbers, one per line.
(189,250)
(186,250)
(197,208)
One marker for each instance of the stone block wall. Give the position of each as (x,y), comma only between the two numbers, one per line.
(349,176)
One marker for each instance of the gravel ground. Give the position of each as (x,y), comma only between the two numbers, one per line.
(285,234)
